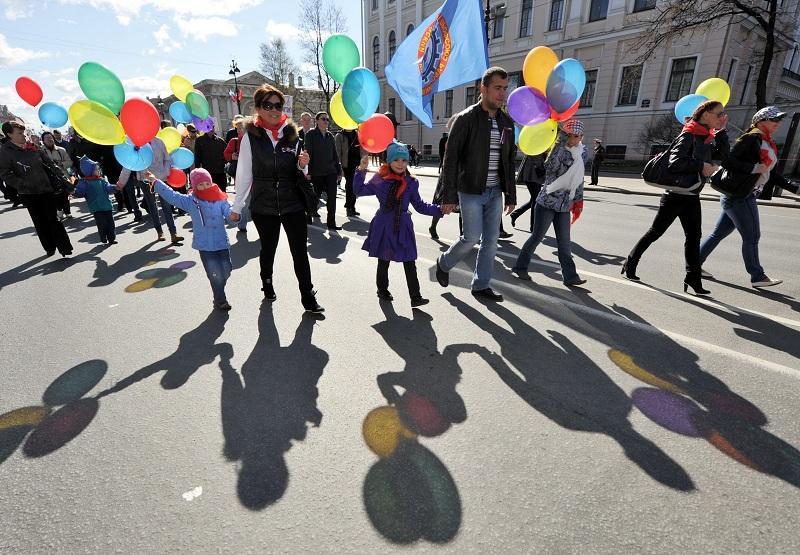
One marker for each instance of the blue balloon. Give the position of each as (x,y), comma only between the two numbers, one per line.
(52,115)
(361,94)
(182,158)
(565,84)
(517,131)
(179,112)
(132,157)
(685,107)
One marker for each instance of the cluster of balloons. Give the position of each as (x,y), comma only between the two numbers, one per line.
(353,106)
(551,94)
(710,89)
(191,107)
(50,114)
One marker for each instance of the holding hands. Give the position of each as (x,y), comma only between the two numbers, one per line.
(302,159)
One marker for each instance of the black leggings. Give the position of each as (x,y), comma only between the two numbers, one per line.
(382,279)
(52,235)
(687,209)
(269,228)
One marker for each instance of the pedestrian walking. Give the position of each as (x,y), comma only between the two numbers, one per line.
(349,150)
(209,153)
(693,157)
(306,125)
(209,209)
(95,189)
(234,130)
(231,161)
(443,146)
(559,196)
(391,232)
(478,171)
(751,170)
(531,173)
(60,158)
(597,159)
(324,166)
(270,175)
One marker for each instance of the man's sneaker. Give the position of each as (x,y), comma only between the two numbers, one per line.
(222,305)
(706,275)
(487,294)
(521,274)
(310,303)
(418,300)
(575,282)
(766,282)
(269,291)
(176,239)
(441,276)
(505,235)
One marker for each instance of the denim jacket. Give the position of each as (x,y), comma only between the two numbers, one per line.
(557,164)
(208,218)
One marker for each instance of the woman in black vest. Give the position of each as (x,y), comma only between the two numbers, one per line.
(702,140)
(270,174)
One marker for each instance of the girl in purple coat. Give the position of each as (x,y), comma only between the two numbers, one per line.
(391,232)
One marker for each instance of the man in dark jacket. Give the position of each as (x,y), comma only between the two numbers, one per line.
(597,159)
(324,167)
(478,171)
(209,153)
(442,147)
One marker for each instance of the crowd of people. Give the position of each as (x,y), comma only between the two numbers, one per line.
(280,172)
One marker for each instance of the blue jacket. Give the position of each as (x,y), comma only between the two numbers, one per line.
(96,193)
(208,218)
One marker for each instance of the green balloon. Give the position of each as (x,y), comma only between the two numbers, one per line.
(339,56)
(100,84)
(197,103)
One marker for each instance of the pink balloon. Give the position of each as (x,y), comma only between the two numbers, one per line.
(528,106)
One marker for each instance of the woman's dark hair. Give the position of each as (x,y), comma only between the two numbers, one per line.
(265,91)
(9,126)
(46,133)
(705,107)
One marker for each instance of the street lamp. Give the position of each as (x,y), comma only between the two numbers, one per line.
(233,71)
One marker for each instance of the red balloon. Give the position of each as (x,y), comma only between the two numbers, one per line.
(140,120)
(376,133)
(29,90)
(421,415)
(176,178)
(564,116)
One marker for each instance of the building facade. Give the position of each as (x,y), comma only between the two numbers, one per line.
(622,96)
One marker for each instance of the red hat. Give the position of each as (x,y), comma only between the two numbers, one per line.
(210,194)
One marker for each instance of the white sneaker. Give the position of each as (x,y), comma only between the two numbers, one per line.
(767,282)
(706,275)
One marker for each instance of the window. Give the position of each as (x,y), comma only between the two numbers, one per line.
(746,84)
(598,10)
(390,2)
(629,85)
(616,152)
(642,5)
(391,106)
(587,99)
(732,71)
(374,5)
(556,14)
(499,19)
(514,81)
(526,19)
(392,45)
(448,103)
(469,96)
(409,115)
(376,54)
(680,78)
(409,29)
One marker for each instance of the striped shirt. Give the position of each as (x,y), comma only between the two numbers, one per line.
(493,179)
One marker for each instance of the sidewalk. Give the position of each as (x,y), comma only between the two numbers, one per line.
(633,185)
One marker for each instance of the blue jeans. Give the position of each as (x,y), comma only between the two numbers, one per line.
(542,218)
(481,216)
(218,269)
(740,214)
(150,200)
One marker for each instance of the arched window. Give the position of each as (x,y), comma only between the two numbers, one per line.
(409,29)
(392,45)
(376,54)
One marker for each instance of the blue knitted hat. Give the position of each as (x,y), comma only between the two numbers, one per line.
(396,151)
(88,166)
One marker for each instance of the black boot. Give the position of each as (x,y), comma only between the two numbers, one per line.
(629,269)
(310,303)
(693,280)
(269,290)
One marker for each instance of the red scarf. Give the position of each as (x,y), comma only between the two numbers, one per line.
(386,173)
(697,128)
(274,130)
(212,194)
(765,157)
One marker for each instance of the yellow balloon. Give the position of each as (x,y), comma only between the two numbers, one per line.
(96,123)
(339,114)
(26,416)
(626,364)
(715,89)
(535,139)
(171,138)
(180,86)
(383,430)
(538,65)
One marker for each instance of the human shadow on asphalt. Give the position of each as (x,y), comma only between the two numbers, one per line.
(106,274)
(18,232)
(557,379)
(326,246)
(243,250)
(269,407)
(771,294)
(594,258)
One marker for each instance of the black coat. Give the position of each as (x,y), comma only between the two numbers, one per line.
(209,153)
(688,154)
(744,156)
(24,171)
(275,173)
(321,149)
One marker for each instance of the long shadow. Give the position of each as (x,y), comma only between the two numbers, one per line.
(328,248)
(771,294)
(106,274)
(18,232)
(269,406)
(595,258)
(243,250)
(29,269)
(566,386)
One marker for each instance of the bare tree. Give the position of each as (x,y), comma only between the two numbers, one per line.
(674,18)
(276,63)
(661,131)
(319,19)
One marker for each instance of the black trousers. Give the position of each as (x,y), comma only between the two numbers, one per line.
(220,179)
(105,225)
(10,193)
(687,209)
(410,268)
(327,184)
(349,194)
(595,172)
(269,229)
(50,231)
(533,189)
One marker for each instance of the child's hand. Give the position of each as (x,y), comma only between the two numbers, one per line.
(234,217)
(364,163)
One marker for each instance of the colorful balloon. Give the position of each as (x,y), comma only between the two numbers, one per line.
(203,125)
(535,139)
(179,112)
(171,138)
(180,86)
(538,65)
(182,158)
(565,84)
(361,94)
(383,431)
(140,120)
(564,116)
(52,115)
(100,84)
(182,130)
(685,107)
(176,178)
(135,158)
(715,89)
(95,122)
(340,56)
(197,104)
(29,90)
(420,415)
(528,106)
(376,133)
(517,130)
(339,114)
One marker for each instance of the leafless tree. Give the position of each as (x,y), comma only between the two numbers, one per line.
(276,62)
(661,131)
(319,19)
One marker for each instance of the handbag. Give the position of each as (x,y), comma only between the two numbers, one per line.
(733,185)
(656,173)
(58,182)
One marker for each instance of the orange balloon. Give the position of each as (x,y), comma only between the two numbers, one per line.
(564,116)
(538,65)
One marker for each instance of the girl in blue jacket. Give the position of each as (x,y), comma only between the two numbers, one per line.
(209,208)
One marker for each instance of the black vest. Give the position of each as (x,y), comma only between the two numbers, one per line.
(275,175)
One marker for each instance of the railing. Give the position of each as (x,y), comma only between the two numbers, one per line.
(791,74)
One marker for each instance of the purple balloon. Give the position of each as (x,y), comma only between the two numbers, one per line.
(528,106)
(203,125)
(673,412)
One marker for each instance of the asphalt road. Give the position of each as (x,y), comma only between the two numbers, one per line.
(616,417)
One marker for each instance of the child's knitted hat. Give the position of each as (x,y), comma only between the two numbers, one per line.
(88,166)
(396,151)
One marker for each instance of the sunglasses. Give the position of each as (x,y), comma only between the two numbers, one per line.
(267,105)
(776,120)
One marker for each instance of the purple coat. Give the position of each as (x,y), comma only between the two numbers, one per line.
(382,240)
